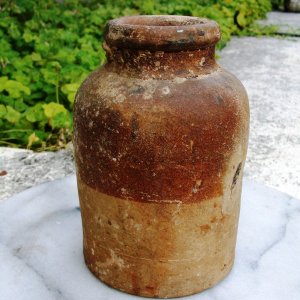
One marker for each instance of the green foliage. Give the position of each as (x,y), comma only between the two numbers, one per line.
(48,47)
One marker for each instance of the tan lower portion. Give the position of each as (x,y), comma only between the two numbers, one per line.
(159,249)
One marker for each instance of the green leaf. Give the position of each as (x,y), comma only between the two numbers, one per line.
(12,115)
(61,120)
(15,88)
(36,56)
(41,135)
(21,77)
(20,106)
(28,36)
(3,110)
(57,115)
(51,109)
(51,74)
(35,113)
(32,139)
(3,81)
(241,19)
(70,90)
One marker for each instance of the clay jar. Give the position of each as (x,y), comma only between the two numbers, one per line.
(160,141)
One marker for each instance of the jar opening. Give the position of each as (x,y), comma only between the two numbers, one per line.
(168,33)
(161,20)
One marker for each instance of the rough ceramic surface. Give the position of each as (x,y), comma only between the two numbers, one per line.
(41,248)
(160,140)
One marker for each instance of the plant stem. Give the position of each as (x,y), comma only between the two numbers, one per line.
(10,144)
(56,89)
(15,130)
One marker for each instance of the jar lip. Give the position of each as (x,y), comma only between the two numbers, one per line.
(162,32)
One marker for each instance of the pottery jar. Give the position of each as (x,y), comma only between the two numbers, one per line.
(160,140)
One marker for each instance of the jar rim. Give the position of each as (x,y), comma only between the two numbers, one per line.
(162,32)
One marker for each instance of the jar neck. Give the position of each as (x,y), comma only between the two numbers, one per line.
(161,64)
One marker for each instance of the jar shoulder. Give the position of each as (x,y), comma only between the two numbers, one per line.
(109,88)
(215,103)
(207,97)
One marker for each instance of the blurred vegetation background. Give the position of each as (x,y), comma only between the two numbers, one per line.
(48,47)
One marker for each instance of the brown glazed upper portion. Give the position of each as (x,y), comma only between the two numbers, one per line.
(160,120)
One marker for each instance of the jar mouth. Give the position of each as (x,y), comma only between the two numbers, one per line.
(162,32)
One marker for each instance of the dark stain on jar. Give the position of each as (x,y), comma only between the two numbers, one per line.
(205,228)
(137,89)
(134,124)
(135,284)
(236,176)
(200,32)
(219,100)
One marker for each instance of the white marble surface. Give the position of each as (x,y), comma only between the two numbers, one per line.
(41,248)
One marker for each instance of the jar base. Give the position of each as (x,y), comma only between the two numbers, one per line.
(165,290)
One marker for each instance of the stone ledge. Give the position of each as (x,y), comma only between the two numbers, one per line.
(22,169)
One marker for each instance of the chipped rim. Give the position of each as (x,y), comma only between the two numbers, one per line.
(162,32)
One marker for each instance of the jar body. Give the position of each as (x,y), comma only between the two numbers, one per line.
(159,167)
